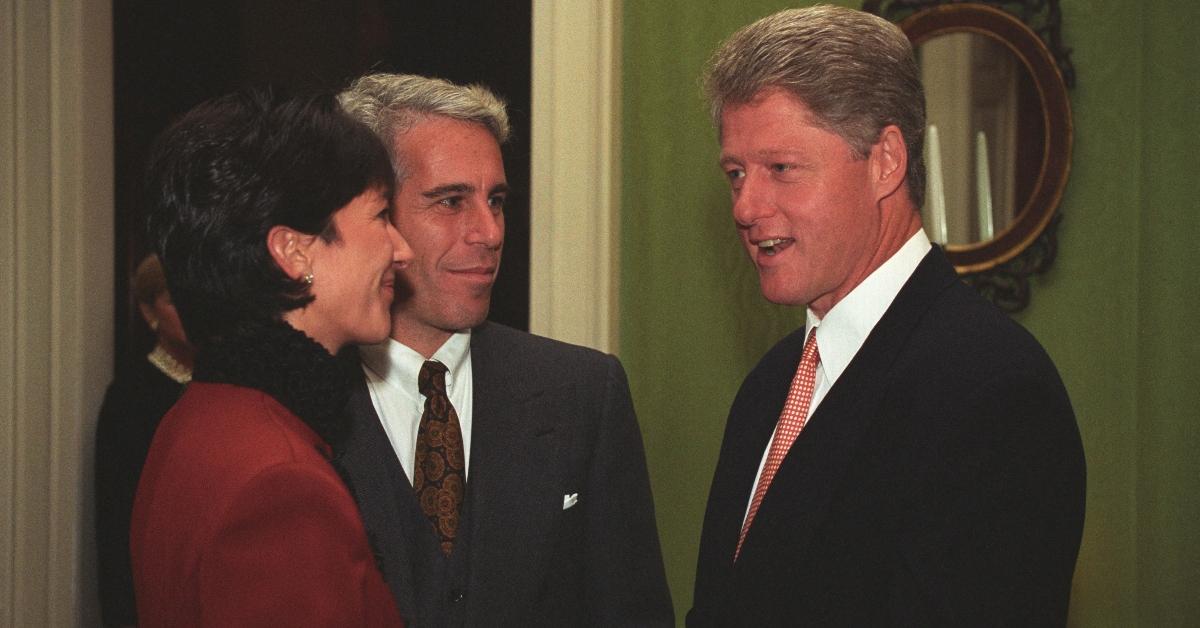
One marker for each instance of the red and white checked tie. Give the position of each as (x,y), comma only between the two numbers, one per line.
(791,421)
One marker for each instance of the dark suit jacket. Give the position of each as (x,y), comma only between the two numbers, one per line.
(241,521)
(133,406)
(550,420)
(939,483)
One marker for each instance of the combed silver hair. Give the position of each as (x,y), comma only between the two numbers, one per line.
(391,104)
(855,71)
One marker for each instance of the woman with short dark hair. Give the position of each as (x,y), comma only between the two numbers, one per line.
(271,218)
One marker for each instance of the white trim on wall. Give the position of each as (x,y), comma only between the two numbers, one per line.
(56,321)
(574,196)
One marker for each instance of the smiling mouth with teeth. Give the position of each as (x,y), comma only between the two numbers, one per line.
(768,246)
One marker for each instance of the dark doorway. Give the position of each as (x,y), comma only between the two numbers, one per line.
(169,57)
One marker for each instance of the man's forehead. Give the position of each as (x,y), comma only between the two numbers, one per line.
(772,100)
(425,125)
(442,139)
(771,114)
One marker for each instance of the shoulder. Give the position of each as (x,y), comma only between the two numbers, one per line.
(217,445)
(496,343)
(235,429)
(963,333)
(969,369)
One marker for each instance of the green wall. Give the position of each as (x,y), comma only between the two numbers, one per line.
(1117,312)
(1168,389)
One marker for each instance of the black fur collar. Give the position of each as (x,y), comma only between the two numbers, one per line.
(285,363)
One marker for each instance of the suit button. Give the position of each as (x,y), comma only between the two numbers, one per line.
(457,595)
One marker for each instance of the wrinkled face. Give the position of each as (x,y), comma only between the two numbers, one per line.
(802,200)
(450,208)
(354,276)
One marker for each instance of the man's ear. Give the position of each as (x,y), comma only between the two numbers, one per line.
(290,250)
(889,162)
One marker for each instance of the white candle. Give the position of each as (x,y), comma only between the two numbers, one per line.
(935,187)
(983,188)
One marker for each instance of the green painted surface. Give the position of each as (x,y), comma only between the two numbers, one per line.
(1168,391)
(1117,312)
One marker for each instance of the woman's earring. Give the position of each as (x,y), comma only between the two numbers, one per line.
(308,278)
(154,325)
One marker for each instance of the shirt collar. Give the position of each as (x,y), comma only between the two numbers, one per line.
(846,326)
(399,365)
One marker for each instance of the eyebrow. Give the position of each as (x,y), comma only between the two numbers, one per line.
(462,188)
(765,154)
(449,188)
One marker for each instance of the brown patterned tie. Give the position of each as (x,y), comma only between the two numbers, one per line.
(439,478)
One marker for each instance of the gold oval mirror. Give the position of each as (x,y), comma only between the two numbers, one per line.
(984,137)
(999,142)
(995,90)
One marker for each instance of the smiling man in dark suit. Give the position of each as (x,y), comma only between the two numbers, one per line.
(500,475)
(909,457)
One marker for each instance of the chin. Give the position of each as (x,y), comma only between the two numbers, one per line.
(375,334)
(463,324)
(472,316)
(781,297)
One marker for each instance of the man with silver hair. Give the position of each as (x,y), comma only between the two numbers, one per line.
(910,456)
(500,475)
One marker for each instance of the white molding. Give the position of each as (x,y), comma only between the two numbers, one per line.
(56,195)
(574,195)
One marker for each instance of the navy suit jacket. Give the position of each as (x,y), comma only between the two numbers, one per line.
(940,482)
(550,420)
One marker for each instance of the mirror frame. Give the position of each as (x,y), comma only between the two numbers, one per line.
(1000,268)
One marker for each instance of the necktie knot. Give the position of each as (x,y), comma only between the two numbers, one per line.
(811,354)
(432,378)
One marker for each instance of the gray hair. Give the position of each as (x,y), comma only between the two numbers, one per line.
(855,71)
(391,104)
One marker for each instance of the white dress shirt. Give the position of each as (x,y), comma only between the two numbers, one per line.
(845,327)
(392,369)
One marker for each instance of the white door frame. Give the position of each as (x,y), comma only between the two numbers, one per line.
(56,307)
(575,193)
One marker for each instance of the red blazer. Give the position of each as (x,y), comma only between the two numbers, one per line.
(240,520)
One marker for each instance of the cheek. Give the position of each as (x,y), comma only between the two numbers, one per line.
(744,237)
(423,243)
(381,250)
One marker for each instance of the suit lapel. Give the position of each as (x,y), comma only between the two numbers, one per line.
(513,490)
(746,437)
(799,497)
(386,502)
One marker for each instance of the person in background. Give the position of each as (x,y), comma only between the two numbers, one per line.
(136,401)
(909,456)
(502,470)
(272,219)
